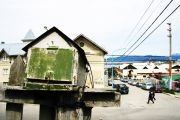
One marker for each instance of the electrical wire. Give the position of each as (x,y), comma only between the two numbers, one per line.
(138,22)
(145,22)
(154,29)
(149,27)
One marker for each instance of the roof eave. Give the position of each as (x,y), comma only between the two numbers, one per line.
(81,35)
(53,29)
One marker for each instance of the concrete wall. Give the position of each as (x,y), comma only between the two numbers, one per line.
(95,57)
(4,71)
(5,65)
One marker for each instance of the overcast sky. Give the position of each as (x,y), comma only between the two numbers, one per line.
(106,22)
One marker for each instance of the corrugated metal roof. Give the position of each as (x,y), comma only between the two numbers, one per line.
(143,58)
(13,48)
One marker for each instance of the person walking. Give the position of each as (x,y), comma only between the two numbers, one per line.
(153,90)
(153,95)
(150,97)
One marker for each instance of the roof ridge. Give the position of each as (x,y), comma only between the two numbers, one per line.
(91,42)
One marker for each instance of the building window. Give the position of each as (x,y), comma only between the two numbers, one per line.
(81,44)
(4,57)
(5,71)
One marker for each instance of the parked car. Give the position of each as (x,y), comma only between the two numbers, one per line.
(124,79)
(134,83)
(110,82)
(130,81)
(122,88)
(139,84)
(147,86)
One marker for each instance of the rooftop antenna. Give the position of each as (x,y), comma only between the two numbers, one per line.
(45,27)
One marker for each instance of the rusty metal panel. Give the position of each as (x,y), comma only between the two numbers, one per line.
(50,64)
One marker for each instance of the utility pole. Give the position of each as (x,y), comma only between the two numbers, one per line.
(170,55)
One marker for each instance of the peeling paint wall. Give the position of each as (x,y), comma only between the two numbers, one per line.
(53,64)
(68,66)
(52,40)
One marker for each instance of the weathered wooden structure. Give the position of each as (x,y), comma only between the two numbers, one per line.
(54,78)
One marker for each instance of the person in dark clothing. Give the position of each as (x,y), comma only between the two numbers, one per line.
(150,98)
(153,89)
(153,95)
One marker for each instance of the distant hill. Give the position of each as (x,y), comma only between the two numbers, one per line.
(144,58)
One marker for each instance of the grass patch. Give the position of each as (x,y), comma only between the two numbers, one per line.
(166,90)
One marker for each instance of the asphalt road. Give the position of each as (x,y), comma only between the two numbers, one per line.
(133,107)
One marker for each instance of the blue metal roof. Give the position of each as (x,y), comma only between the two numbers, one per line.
(143,58)
(13,48)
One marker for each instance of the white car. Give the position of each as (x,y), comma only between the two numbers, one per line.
(148,86)
(134,83)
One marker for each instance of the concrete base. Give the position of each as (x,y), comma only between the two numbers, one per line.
(14,111)
(58,105)
(46,113)
(87,113)
(74,113)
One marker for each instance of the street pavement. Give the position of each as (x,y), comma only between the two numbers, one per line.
(133,107)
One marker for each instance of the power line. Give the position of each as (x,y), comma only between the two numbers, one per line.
(144,22)
(148,17)
(139,21)
(148,27)
(154,29)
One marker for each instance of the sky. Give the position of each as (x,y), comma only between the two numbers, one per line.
(106,22)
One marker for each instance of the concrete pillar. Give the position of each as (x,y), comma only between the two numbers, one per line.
(87,113)
(65,113)
(14,111)
(46,113)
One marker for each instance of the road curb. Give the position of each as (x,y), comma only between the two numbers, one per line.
(172,95)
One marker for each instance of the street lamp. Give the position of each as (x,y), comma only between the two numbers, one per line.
(170,56)
(112,65)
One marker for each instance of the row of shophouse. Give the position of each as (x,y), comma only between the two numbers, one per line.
(142,70)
